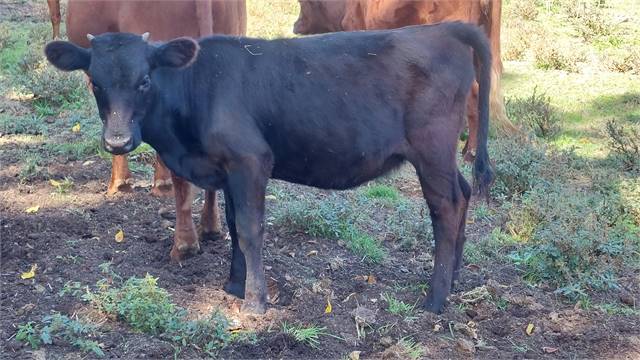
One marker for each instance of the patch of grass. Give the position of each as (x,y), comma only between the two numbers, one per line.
(307,335)
(30,168)
(29,124)
(76,150)
(333,218)
(412,349)
(148,308)
(61,327)
(616,309)
(381,191)
(398,307)
(62,186)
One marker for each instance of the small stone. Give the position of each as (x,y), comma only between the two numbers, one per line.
(364,316)
(471,313)
(628,299)
(25,309)
(336,263)
(354,355)
(166,213)
(166,224)
(437,328)
(386,341)
(466,346)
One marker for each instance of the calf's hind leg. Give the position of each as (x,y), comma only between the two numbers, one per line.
(466,192)
(435,164)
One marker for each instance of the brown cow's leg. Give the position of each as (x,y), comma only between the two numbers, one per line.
(162,184)
(185,241)
(466,193)
(469,150)
(120,175)
(210,220)
(54,13)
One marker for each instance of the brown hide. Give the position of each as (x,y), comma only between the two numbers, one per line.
(164,19)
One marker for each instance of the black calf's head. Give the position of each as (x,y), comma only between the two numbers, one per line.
(119,67)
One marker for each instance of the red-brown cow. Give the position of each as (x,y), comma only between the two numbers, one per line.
(347,15)
(165,20)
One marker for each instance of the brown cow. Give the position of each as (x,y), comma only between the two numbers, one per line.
(165,20)
(348,15)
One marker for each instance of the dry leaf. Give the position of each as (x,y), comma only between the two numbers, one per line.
(549,350)
(29,274)
(119,236)
(33,209)
(371,279)
(471,221)
(55,183)
(530,328)
(312,253)
(76,127)
(329,308)
(354,355)
(270,197)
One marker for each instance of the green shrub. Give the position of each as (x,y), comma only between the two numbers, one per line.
(572,237)
(518,166)
(535,112)
(624,143)
(625,59)
(61,327)
(148,308)
(552,54)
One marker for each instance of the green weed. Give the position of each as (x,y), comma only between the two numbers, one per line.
(412,349)
(61,327)
(381,191)
(398,307)
(307,335)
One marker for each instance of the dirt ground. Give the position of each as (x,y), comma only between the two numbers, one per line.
(72,234)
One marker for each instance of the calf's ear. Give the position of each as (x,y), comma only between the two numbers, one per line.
(177,53)
(67,56)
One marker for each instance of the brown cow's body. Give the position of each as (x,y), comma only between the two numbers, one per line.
(164,20)
(349,15)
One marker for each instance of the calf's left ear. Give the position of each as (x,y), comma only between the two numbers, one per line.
(177,53)
(67,56)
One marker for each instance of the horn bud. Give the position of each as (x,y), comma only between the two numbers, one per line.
(90,37)
(145,36)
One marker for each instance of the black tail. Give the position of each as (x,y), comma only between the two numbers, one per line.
(471,35)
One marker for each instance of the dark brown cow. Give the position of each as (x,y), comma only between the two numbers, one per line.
(165,20)
(347,15)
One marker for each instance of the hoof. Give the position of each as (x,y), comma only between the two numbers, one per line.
(162,188)
(234,288)
(250,307)
(469,157)
(210,235)
(433,305)
(183,251)
(120,185)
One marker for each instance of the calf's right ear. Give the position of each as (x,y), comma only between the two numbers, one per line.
(176,53)
(67,56)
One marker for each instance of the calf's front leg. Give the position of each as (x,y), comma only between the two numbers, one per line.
(246,189)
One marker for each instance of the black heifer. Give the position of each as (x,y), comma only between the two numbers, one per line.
(330,111)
